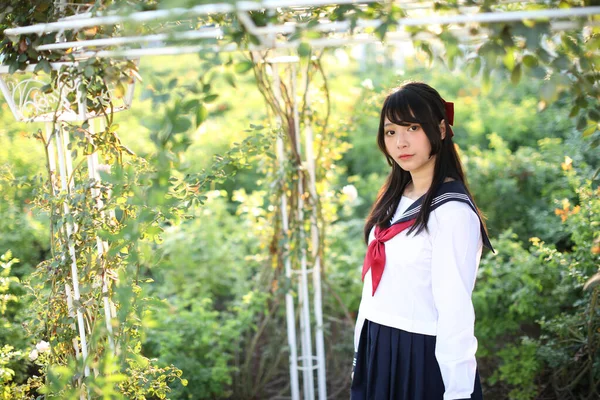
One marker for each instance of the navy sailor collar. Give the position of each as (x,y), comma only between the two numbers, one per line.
(447,191)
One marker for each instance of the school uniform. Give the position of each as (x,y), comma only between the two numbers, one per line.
(414,337)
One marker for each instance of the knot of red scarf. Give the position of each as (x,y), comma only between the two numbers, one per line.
(375,258)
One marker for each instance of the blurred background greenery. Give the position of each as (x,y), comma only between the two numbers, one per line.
(530,171)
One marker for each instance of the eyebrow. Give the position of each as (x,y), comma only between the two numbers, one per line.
(401,122)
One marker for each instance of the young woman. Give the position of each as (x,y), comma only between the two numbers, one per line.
(414,336)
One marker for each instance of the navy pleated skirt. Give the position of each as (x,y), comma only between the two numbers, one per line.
(393,364)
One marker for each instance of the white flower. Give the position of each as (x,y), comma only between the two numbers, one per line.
(43,347)
(103,168)
(33,355)
(351,192)
(97,282)
(367,84)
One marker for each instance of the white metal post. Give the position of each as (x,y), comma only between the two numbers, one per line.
(316,269)
(51,138)
(289,299)
(305,325)
(66,169)
(92,160)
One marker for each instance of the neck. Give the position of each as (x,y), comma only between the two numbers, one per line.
(422,178)
(421,184)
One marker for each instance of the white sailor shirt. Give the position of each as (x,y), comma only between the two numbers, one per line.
(426,288)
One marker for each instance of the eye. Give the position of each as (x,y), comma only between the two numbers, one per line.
(389,133)
(413,128)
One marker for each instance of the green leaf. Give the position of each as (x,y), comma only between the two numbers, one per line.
(230,79)
(190,105)
(515,75)
(561,63)
(181,125)
(427,49)
(119,89)
(47,88)
(538,72)
(13,67)
(210,98)
(509,59)
(574,111)
(201,115)
(89,71)
(381,30)
(475,66)
(590,129)
(530,60)
(243,66)
(304,50)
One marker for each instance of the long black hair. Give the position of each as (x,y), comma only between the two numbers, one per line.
(415,102)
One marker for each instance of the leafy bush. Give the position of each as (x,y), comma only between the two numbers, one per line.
(534,322)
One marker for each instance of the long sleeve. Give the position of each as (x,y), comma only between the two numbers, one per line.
(360,320)
(456,251)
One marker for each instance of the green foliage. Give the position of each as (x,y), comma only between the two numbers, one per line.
(202,342)
(569,339)
(519,368)
(531,177)
(23,228)
(7,298)
(13,306)
(519,295)
(8,388)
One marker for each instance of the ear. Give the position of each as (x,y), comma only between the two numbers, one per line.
(443,128)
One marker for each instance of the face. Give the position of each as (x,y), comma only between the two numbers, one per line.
(408,146)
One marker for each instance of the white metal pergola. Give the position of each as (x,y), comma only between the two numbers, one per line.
(28,104)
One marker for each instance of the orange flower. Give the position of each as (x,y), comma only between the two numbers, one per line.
(561,213)
(596,246)
(565,211)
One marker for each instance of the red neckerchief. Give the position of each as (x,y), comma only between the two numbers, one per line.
(375,257)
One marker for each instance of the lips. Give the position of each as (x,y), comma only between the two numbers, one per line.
(405,156)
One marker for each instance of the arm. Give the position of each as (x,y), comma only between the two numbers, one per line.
(455,259)
(357,331)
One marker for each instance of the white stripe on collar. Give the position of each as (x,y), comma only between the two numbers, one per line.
(437,200)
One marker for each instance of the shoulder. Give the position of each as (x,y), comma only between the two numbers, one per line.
(454,212)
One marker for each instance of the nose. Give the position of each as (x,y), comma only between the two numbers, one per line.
(401,139)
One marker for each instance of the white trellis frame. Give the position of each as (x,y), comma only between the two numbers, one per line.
(274,37)
(27,101)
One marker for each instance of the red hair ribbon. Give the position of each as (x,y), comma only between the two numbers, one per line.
(449,114)
(375,258)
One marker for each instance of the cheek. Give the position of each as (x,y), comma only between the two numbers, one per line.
(424,143)
(389,142)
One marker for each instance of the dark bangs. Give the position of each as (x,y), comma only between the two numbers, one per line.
(406,106)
